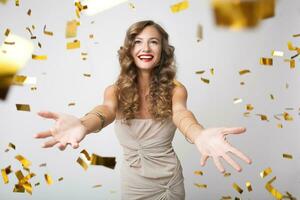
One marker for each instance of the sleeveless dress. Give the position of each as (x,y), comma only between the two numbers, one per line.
(150,168)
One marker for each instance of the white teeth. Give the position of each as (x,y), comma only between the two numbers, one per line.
(146,57)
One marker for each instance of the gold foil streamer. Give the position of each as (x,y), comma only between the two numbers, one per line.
(25,163)
(73,45)
(183,5)
(263,117)
(11,145)
(244,71)
(296,35)
(205,80)
(29,12)
(248,185)
(237,100)
(71,29)
(19,175)
(287,156)
(200,185)
(27,187)
(48,179)
(289,196)
(266,61)
(237,188)
(19,188)
(249,107)
(277,53)
(50,33)
(82,163)
(86,154)
(5,172)
(273,191)
(9,43)
(200,72)
(23,107)
(265,172)
(198,172)
(199,33)
(87,75)
(287,117)
(39,57)
(109,162)
(292,63)
(291,47)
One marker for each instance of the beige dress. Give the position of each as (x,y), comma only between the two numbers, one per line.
(150,168)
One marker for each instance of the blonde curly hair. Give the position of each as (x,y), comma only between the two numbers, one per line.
(161,86)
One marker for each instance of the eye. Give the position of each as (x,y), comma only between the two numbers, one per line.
(154,42)
(136,42)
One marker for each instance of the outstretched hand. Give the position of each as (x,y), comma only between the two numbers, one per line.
(212,143)
(67,130)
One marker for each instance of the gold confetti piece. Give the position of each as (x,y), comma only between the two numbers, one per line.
(272,96)
(73,45)
(47,32)
(226,198)
(242,83)
(9,43)
(97,186)
(71,104)
(266,61)
(29,12)
(237,100)
(296,35)
(91,36)
(43,165)
(199,33)
(37,184)
(287,156)
(246,114)
(200,72)
(25,163)
(277,53)
(39,57)
(71,28)
(48,179)
(131,5)
(291,46)
(86,154)
(287,117)
(292,63)
(212,71)
(249,107)
(198,172)
(19,188)
(227,174)
(279,126)
(17,2)
(28,187)
(19,175)
(3,1)
(179,6)
(33,88)
(200,185)
(263,117)
(237,188)
(248,185)
(11,145)
(82,163)
(109,162)
(273,191)
(87,75)
(23,107)
(205,80)
(237,198)
(7,31)
(265,172)
(289,196)
(244,71)
(60,179)
(6,172)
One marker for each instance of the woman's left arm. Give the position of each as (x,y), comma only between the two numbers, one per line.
(210,142)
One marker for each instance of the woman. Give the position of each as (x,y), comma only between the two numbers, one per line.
(147,105)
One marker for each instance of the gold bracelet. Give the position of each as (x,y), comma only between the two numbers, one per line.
(100,116)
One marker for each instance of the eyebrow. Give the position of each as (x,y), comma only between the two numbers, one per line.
(148,38)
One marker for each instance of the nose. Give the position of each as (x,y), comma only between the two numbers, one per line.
(146,47)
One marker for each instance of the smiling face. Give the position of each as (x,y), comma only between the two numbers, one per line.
(146,49)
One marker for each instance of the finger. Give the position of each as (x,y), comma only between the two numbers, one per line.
(234,130)
(43,134)
(240,155)
(48,115)
(62,146)
(203,160)
(75,145)
(50,143)
(218,164)
(232,162)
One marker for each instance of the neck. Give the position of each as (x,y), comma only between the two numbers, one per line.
(144,78)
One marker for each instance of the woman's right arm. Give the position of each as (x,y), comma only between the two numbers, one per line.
(71,130)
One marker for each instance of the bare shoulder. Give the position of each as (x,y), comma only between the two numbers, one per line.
(111,90)
(179,89)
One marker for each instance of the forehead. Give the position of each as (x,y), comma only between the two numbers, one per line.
(149,32)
